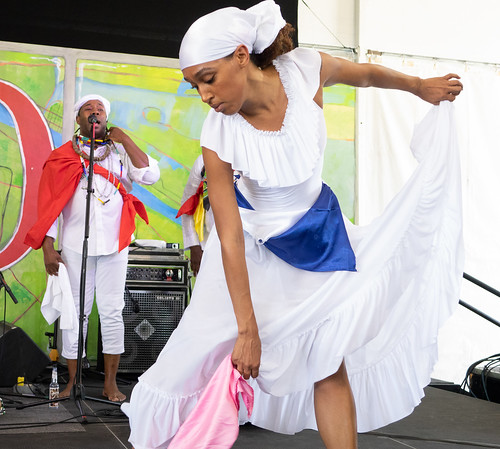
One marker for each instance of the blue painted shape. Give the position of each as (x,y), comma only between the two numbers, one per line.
(56,138)
(5,116)
(155,203)
(183,87)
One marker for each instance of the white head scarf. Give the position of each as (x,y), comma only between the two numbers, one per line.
(89,97)
(218,34)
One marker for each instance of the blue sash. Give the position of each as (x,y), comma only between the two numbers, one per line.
(318,241)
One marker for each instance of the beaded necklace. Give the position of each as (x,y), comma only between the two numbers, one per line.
(103,196)
(83,141)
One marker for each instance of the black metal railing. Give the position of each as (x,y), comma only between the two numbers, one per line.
(477,381)
(474,309)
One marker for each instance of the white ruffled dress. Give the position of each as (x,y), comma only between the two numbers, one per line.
(383,319)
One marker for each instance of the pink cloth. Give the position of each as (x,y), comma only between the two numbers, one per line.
(213,423)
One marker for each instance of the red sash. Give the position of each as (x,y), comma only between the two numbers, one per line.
(189,206)
(60,177)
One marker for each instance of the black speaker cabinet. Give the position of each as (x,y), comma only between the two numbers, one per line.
(166,266)
(150,315)
(156,294)
(19,356)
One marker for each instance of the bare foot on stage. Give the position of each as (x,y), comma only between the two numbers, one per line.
(66,392)
(113,394)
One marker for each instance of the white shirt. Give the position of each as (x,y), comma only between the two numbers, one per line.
(104,219)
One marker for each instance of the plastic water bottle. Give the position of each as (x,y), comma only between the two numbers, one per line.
(54,388)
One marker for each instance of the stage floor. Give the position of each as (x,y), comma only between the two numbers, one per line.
(443,420)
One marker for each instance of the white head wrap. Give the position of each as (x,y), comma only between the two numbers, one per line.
(219,33)
(89,97)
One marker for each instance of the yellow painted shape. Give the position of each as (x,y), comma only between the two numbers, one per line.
(161,79)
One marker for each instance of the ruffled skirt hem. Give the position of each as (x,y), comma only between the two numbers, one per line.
(383,320)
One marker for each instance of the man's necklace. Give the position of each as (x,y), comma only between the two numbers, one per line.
(103,196)
(86,156)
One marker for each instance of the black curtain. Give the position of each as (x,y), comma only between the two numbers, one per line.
(147,27)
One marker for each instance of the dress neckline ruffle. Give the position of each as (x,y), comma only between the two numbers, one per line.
(280,158)
(290,95)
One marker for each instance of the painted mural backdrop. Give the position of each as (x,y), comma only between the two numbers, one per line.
(31,90)
(162,114)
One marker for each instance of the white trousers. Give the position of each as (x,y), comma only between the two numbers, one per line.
(105,275)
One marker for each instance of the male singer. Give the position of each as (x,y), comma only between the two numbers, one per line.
(118,162)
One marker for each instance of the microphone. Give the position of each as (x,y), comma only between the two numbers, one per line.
(135,301)
(7,288)
(93,119)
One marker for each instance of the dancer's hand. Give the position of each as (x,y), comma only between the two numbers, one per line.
(246,354)
(435,90)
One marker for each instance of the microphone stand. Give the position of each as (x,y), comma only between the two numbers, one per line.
(78,388)
(3,284)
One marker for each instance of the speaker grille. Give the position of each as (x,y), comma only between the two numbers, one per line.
(150,316)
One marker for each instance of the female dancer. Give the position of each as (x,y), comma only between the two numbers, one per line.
(307,308)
